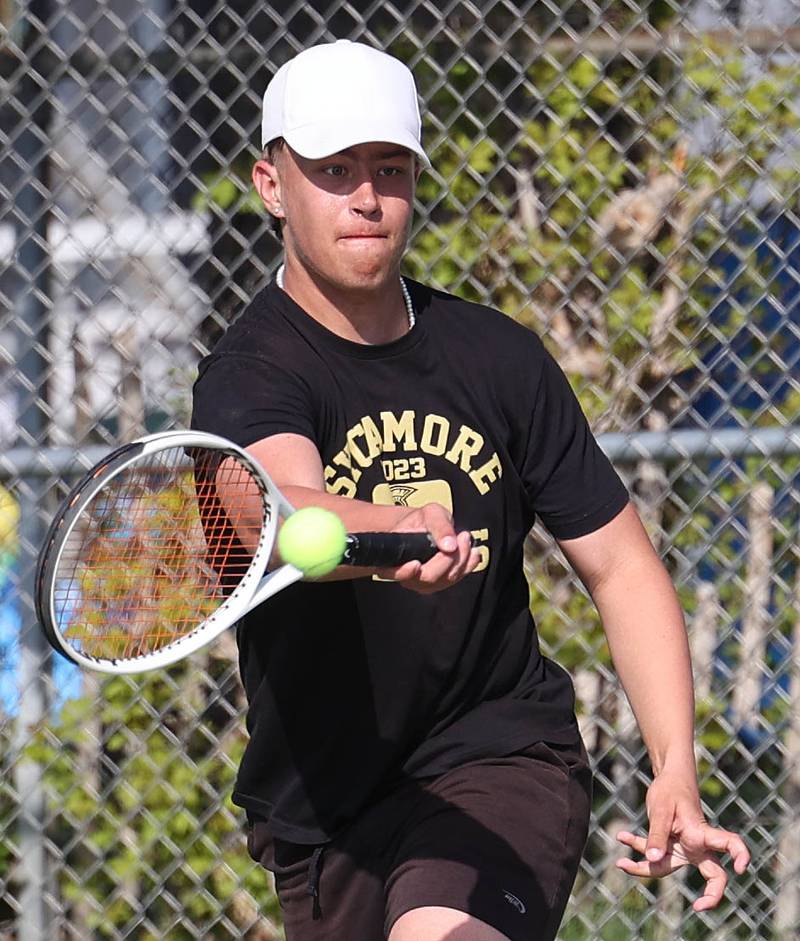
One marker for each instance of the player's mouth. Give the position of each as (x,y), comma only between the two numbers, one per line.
(359,236)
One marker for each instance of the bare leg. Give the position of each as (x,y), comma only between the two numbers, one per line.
(434,923)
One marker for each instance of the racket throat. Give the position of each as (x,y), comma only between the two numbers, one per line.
(274,582)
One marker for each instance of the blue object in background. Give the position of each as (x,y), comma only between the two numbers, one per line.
(66,676)
(9,632)
(745,377)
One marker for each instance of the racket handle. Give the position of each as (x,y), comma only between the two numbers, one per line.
(385,550)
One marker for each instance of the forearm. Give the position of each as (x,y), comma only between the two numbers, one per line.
(647,637)
(295,466)
(358,516)
(644,624)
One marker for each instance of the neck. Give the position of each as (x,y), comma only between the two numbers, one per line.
(372,315)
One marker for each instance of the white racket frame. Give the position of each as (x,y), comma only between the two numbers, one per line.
(254,587)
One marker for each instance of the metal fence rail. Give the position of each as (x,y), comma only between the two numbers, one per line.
(621,177)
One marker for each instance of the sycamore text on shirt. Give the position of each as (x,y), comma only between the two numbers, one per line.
(435,435)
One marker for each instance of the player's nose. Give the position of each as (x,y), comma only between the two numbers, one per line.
(365,196)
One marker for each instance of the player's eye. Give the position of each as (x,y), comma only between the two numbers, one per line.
(335,169)
(392,171)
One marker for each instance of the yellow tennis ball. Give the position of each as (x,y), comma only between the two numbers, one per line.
(313,540)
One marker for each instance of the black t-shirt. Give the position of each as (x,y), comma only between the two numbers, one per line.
(353,685)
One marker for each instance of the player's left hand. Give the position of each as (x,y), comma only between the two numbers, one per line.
(679,836)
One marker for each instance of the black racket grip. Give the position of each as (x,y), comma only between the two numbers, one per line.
(385,550)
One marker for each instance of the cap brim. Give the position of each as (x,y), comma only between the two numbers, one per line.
(315,142)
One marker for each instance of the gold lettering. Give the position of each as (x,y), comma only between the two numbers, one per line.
(417,467)
(436,426)
(464,448)
(396,428)
(344,461)
(338,485)
(479,538)
(372,437)
(485,476)
(357,431)
(342,486)
(368,440)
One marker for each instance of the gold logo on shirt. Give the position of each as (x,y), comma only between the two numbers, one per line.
(414,495)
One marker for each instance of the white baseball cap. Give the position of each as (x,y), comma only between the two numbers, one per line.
(335,95)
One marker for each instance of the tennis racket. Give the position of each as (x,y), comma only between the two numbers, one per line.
(164,545)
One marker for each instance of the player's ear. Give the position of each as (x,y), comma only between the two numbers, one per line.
(266,180)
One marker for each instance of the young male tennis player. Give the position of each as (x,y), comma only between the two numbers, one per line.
(414,769)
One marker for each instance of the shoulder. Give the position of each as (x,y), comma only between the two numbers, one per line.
(261,336)
(256,330)
(485,330)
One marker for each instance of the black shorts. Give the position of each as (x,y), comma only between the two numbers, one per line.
(498,838)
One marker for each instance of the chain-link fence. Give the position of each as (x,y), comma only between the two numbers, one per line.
(620,175)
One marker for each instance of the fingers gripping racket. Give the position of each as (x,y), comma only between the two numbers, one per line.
(165,544)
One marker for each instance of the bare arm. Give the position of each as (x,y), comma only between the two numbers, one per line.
(294,464)
(644,624)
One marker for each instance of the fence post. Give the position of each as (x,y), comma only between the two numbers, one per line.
(30,322)
(703,639)
(755,620)
(787,903)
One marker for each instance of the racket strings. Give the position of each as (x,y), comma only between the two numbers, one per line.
(156,552)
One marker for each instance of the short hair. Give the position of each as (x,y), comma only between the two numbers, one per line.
(270,152)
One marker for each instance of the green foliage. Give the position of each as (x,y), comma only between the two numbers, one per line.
(145,818)
(229,190)
(582,647)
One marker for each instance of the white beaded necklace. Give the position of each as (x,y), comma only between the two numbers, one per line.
(412,317)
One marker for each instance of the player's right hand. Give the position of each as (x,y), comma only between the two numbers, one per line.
(455,557)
